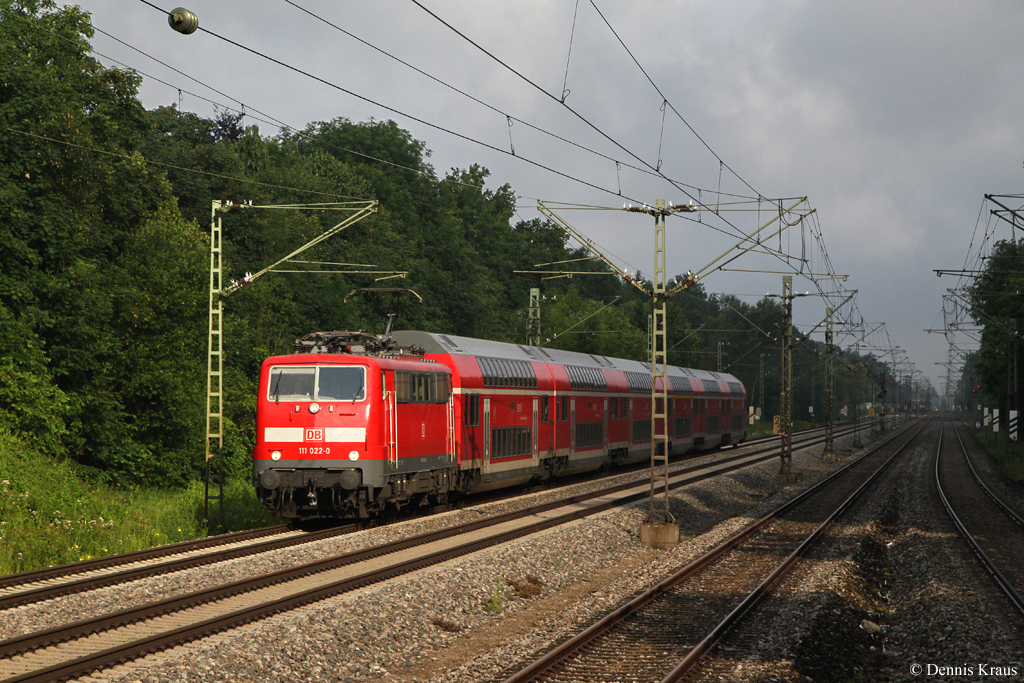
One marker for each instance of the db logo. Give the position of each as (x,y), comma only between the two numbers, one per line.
(314,435)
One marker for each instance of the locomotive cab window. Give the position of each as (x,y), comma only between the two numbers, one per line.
(341,384)
(322,383)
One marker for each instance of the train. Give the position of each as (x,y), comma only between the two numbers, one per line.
(354,424)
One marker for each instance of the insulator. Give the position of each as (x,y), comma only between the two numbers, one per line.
(183,21)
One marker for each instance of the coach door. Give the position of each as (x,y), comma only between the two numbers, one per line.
(631,422)
(451,426)
(487,431)
(604,430)
(536,426)
(572,427)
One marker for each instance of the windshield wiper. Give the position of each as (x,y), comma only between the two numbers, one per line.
(277,385)
(358,391)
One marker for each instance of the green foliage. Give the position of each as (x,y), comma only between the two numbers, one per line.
(495,603)
(103,271)
(588,326)
(49,515)
(998,308)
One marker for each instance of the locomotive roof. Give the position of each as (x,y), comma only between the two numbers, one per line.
(447,343)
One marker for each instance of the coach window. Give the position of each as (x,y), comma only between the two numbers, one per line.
(495,372)
(471,411)
(544,409)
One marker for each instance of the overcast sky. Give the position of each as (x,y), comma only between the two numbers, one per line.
(893,118)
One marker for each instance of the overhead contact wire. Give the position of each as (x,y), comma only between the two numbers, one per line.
(398,112)
(674,110)
(267,118)
(575,113)
(489,106)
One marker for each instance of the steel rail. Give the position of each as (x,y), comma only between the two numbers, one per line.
(131,574)
(583,639)
(128,651)
(135,573)
(72,568)
(705,646)
(35,640)
(986,562)
(1017,519)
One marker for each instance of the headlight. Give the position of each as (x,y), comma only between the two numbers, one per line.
(275,455)
(314,408)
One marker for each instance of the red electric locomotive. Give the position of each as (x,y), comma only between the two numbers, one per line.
(352,424)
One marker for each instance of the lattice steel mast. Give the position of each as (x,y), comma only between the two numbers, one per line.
(214,466)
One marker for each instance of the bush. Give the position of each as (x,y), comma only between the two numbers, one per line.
(49,515)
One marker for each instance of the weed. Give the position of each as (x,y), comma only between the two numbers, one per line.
(526,589)
(494,604)
(445,625)
(558,562)
(51,516)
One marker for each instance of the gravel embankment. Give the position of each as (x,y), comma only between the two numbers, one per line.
(435,623)
(44,615)
(895,561)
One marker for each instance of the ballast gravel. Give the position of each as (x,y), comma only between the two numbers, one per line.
(67,609)
(891,593)
(462,621)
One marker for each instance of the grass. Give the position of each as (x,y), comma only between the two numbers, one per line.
(50,516)
(1009,457)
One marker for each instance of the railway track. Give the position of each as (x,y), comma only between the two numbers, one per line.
(46,584)
(98,643)
(662,634)
(987,524)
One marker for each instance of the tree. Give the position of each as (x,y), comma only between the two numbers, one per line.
(75,202)
(997,306)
